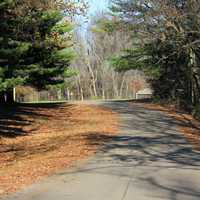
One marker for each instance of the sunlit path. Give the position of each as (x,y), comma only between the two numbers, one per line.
(149,160)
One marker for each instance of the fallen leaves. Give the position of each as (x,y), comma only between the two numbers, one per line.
(48,140)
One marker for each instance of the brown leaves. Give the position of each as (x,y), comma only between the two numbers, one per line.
(57,137)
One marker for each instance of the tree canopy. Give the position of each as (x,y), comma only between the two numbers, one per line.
(35,43)
(166,46)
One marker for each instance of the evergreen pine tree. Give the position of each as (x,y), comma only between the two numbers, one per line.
(10,50)
(34,47)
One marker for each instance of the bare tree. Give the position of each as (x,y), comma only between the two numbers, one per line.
(96,78)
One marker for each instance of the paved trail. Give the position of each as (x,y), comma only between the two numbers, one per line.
(149,160)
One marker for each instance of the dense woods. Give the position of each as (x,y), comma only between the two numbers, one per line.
(165,46)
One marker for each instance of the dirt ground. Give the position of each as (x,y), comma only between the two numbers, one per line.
(39,140)
(189,126)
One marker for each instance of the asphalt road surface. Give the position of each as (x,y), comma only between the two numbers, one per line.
(149,160)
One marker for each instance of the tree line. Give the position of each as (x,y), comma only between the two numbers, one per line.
(166,46)
(158,40)
(40,48)
(96,78)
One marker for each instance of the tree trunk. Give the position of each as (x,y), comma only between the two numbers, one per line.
(94,87)
(93,79)
(80,89)
(197,88)
(8,97)
(59,94)
(103,94)
(82,95)
(68,94)
(2,99)
(121,87)
(127,90)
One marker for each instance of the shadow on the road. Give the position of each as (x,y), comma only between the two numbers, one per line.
(149,140)
(148,150)
(151,136)
(177,190)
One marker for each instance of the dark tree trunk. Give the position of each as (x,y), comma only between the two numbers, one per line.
(10,97)
(2,99)
(7,97)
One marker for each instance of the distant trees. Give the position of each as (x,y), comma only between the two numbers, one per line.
(35,43)
(166,37)
(96,78)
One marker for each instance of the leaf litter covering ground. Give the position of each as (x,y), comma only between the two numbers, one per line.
(189,126)
(37,141)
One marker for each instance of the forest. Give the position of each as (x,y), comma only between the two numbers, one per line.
(136,44)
